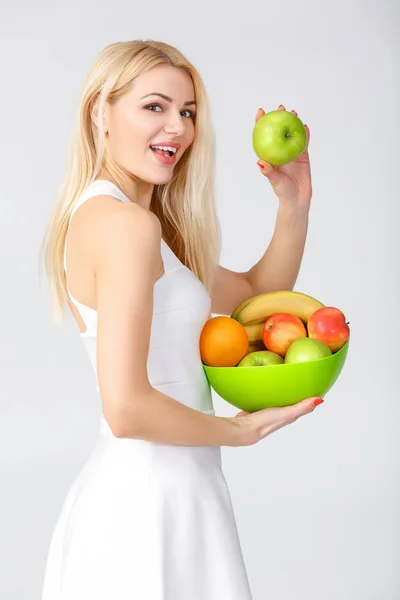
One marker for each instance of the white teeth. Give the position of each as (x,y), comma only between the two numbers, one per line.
(165,148)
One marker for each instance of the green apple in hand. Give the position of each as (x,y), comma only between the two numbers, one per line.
(279,137)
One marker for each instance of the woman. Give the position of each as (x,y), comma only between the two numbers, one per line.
(150,516)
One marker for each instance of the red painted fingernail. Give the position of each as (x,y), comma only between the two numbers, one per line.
(260,164)
(318,401)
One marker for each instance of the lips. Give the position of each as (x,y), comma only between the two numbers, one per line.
(163,152)
(166,160)
(172,144)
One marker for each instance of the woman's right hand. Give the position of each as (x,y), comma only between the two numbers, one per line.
(259,424)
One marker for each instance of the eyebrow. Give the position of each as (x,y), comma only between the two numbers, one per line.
(188,103)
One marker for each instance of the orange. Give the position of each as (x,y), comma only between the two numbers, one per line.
(223,342)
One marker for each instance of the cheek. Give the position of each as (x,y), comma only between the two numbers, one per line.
(130,138)
(190,135)
(133,126)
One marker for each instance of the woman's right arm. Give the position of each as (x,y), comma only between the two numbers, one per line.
(126,257)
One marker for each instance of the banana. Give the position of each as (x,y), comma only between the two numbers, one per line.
(254,332)
(255,346)
(240,307)
(257,309)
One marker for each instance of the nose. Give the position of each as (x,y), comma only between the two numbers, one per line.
(175,125)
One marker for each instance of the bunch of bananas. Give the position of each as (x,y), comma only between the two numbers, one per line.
(253,312)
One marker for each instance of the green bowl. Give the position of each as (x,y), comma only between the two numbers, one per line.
(254,388)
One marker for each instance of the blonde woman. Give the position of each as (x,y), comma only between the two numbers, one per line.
(132,249)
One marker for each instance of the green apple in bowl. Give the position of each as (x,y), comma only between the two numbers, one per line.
(260,358)
(253,388)
(279,137)
(306,349)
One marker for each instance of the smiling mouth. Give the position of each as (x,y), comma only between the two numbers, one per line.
(168,153)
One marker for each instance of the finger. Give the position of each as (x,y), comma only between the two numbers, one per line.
(294,112)
(260,113)
(308,133)
(281,107)
(265,167)
(292,413)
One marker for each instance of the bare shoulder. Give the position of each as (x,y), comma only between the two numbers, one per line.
(103,214)
(113,229)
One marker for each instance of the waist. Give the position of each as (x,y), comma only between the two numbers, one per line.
(168,464)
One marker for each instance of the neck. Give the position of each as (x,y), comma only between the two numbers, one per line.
(137,192)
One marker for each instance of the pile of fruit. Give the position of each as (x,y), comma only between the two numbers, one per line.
(274,328)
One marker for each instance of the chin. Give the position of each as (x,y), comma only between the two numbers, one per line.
(161,178)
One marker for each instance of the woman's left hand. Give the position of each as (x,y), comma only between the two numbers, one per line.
(291,182)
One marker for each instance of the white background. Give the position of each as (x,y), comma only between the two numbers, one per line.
(317,503)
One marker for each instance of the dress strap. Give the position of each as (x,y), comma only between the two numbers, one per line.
(98,187)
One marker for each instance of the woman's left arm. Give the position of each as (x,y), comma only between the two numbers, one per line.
(279,267)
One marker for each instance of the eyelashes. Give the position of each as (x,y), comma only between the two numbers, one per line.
(150,106)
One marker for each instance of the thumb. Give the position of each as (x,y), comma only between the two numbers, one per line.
(273,174)
(266,167)
(242,413)
(275,178)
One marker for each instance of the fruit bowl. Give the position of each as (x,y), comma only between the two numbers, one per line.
(254,388)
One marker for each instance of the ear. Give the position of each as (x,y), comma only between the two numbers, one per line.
(93,107)
(94,112)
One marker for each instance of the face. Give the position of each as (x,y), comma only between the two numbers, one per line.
(141,119)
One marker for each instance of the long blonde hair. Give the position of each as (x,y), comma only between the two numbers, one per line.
(185,205)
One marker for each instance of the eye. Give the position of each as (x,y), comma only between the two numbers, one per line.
(151,106)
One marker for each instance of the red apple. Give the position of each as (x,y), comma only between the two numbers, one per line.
(328,325)
(280,331)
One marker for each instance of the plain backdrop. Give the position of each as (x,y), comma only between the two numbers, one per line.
(317,503)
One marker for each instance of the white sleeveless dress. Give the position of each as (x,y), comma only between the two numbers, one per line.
(147,521)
